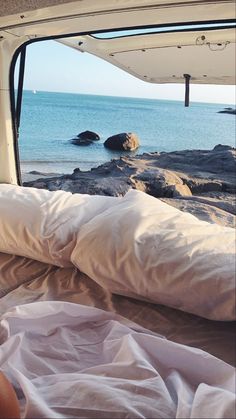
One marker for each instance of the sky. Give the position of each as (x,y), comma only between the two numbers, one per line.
(53,67)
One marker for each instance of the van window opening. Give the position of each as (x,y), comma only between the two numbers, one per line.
(36,92)
(163,29)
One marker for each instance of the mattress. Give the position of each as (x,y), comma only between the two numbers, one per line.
(24,281)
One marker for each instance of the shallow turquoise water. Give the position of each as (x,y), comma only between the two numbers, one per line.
(50,120)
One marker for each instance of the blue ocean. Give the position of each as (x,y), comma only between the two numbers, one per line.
(49,120)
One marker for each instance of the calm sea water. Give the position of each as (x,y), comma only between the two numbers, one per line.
(50,120)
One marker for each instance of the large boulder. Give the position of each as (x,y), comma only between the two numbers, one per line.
(160,183)
(126,141)
(88,135)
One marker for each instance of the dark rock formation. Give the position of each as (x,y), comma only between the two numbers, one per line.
(126,141)
(230,111)
(222,147)
(160,182)
(89,135)
(85,138)
(202,182)
(81,141)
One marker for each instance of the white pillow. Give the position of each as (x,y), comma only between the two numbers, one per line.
(44,225)
(142,247)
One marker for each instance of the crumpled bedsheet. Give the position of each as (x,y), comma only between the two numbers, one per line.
(24,281)
(68,360)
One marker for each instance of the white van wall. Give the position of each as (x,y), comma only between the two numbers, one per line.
(8,173)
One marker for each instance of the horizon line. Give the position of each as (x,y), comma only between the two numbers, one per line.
(127,97)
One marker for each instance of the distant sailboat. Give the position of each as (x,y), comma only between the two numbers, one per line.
(34,92)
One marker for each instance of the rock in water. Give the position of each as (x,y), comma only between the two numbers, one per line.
(89,136)
(230,111)
(126,141)
(81,141)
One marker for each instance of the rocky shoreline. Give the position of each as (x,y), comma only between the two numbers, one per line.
(202,182)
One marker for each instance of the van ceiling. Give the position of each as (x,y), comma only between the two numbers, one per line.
(208,56)
(33,21)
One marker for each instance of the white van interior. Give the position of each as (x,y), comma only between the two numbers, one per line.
(115,306)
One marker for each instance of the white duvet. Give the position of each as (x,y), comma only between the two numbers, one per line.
(67,360)
(136,246)
(143,248)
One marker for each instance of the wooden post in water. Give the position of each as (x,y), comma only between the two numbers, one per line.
(187,83)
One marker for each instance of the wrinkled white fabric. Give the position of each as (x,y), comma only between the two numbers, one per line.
(143,248)
(24,281)
(67,360)
(43,225)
